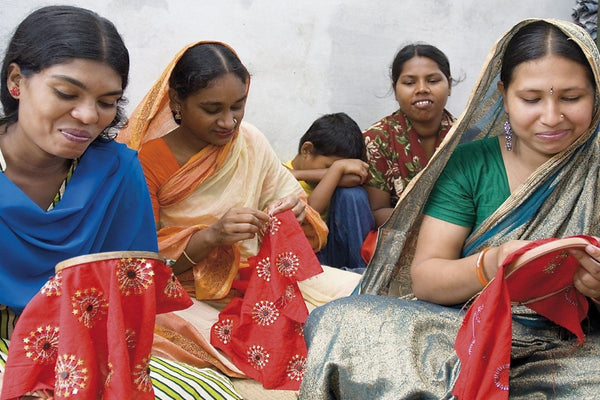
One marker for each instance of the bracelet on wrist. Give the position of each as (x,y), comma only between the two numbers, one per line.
(188,258)
(479,267)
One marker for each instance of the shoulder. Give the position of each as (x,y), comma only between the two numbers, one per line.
(476,148)
(385,124)
(114,150)
(251,134)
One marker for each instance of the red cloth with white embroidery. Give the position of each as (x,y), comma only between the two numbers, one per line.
(543,283)
(88,333)
(262,332)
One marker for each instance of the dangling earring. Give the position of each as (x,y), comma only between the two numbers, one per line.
(508,134)
(14,91)
(177,115)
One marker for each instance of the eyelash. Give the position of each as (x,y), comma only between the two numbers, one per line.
(567,99)
(66,96)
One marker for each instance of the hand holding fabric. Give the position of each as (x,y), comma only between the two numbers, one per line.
(236,225)
(291,202)
(587,277)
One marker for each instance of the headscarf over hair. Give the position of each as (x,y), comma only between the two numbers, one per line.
(557,200)
(152,118)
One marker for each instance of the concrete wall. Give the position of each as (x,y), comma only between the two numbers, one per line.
(308,57)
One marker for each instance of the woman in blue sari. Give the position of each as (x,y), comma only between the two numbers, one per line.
(530,171)
(67,188)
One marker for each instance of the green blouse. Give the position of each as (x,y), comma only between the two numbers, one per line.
(472,186)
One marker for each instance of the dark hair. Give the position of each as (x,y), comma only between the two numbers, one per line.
(57,34)
(419,50)
(536,40)
(335,135)
(202,63)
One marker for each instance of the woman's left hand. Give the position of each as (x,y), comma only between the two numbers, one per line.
(587,277)
(291,202)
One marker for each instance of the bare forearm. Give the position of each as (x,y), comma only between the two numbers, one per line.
(321,196)
(446,282)
(198,248)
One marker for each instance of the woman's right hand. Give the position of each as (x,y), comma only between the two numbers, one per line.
(236,225)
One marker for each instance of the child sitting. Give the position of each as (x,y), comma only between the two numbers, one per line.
(329,167)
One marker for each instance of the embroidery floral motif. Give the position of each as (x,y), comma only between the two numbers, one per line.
(130,338)
(273,225)
(556,262)
(258,357)
(299,328)
(501,377)
(42,344)
(223,330)
(296,367)
(287,264)
(263,269)
(134,275)
(70,376)
(141,376)
(264,313)
(109,374)
(89,306)
(52,287)
(288,296)
(476,319)
(174,290)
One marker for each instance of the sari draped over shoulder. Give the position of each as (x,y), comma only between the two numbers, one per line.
(557,200)
(244,173)
(104,208)
(385,344)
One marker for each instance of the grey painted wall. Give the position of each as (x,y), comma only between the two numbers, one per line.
(308,57)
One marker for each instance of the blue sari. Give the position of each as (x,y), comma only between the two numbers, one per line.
(105,207)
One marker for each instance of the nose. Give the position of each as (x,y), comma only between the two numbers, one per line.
(228,120)
(86,112)
(422,86)
(551,114)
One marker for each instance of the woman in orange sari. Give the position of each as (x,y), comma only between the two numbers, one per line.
(214,180)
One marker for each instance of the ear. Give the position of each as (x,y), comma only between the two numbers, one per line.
(502,91)
(174,101)
(13,76)
(307,148)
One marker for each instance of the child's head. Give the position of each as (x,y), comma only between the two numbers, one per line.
(333,135)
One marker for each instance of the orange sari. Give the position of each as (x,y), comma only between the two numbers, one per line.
(244,173)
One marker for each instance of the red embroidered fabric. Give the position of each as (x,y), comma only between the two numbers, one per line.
(88,332)
(262,333)
(539,276)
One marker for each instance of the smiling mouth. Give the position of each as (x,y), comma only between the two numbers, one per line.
(422,103)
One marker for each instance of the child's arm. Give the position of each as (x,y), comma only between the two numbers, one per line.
(309,175)
(341,169)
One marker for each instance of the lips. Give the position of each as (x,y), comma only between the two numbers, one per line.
(225,134)
(421,104)
(76,135)
(553,135)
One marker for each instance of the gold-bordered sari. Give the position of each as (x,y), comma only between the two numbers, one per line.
(376,345)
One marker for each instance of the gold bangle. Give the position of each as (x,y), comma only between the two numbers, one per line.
(479,267)
(189,259)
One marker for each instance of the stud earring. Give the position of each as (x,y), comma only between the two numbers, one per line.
(562,116)
(15,92)
(508,134)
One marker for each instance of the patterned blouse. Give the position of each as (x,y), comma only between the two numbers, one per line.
(395,154)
